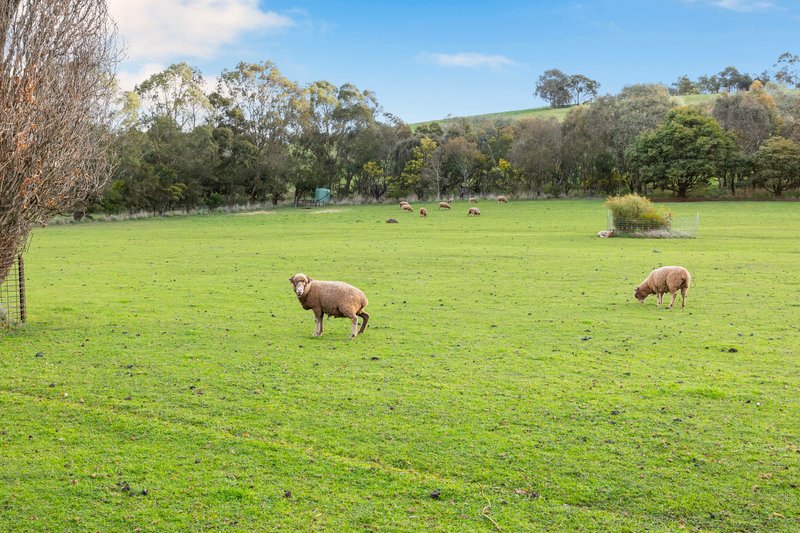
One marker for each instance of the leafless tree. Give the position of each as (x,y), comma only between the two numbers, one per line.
(56,64)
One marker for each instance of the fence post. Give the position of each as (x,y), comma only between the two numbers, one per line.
(23,315)
(696,224)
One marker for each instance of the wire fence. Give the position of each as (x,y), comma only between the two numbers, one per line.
(13,310)
(685,227)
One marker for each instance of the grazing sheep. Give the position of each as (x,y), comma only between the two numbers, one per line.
(444,205)
(423,212)
(473,211)
(332,298)
(665,279)
(605,233)
(502,200)
(403,202)
(406,207)
(473,200)
(391,221)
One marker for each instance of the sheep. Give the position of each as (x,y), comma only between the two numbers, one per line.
(406,207)
(605,233)
(473,211)
(444,205)
(403,202)
(473,200)
(502,200)
(423,212)
(332,298)
(665,279)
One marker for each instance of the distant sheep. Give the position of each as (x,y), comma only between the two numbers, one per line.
(423,212)
(406,207)
(444,205)
(502,200)
(473,200)
(403,202)
(606,233)
(665,279)
(473,212)
(332,298)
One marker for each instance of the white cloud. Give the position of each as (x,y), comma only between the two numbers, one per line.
(128,79)
(469,60)
(740,6)
(155,30)
(744,6)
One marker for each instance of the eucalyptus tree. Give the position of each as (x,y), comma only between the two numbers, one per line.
(262,106)
(177,93)
(537,152)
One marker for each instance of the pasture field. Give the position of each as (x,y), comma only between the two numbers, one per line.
(168,379)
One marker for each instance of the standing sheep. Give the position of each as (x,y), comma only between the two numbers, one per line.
(444,205)
(332,298)
(473,200)
(665,279)
(406,207)
(423,212)
(502,200)
(473,211)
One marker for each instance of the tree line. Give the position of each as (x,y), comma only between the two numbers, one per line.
(259,137)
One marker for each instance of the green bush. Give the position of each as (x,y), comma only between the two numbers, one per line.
(637,213)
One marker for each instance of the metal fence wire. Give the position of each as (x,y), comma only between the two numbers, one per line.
(13,310)
(685,227)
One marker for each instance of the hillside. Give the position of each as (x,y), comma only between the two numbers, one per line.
(559,113)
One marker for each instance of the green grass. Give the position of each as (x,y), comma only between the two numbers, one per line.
(506,358)
(560,113)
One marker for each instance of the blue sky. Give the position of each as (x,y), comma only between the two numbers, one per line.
(429,59)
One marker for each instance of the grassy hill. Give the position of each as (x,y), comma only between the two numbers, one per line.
(560,113)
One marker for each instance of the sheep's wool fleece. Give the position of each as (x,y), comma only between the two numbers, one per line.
(333,297)
(667,279)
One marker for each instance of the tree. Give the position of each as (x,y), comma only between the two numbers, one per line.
(258,102)
(732,80)
(777,165)
(176,93)
(423,170)
(553,86)
(684,152)
(582,89)
(463,156)
(684,86)
(788,72)
(537,152)
(56,59)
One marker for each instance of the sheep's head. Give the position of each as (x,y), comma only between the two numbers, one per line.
(640,294)
(299,281)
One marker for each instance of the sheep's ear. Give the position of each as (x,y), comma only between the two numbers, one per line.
(291,279)
(309,279)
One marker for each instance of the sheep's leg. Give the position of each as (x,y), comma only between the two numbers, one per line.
(317,324)
(659,298)
(365,318)
(354,318)
(684,290)
(674,296)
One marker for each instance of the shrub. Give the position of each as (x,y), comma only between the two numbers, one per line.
(636,213)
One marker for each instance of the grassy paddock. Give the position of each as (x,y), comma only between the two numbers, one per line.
(507,365)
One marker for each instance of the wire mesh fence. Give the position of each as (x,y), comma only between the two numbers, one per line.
(13,310)
(685,227)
